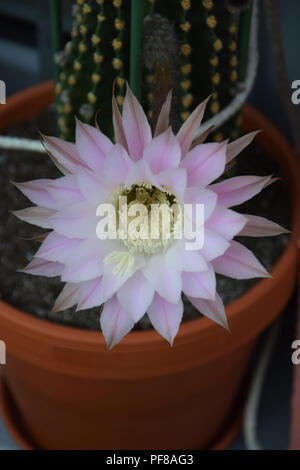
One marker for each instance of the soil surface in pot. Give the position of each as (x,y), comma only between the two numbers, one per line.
(36,295)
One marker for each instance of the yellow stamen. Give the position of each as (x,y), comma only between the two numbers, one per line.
(124,262)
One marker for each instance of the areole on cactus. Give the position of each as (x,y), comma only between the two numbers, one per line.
(186,47)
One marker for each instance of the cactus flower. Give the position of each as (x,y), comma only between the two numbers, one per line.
(128,276)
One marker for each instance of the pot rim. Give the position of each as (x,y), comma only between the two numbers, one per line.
(42,95)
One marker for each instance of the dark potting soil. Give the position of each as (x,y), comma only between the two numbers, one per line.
(36,295)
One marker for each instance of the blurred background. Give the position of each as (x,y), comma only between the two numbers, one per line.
(25,59)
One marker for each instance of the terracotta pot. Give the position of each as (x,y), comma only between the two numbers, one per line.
(72,394)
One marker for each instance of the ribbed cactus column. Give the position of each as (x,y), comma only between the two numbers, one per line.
(136,28)
(186,66)
(56,31)
(193,47)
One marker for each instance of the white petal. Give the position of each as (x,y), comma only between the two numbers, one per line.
(226,222)
(139,173)
(136,126)
(117,164)
(35,215)
(166,317)
(94,187)
(200,284)
(36,192)
(213,309)
(175,180)
(239,262)
(206,197)
(57,247)
(90,294)
(41,267)
(64,154)
(78,221)
(237,146)
(67,298)
(234,191)
(214,245)
(260,227)
(163,152)
(87,264)
(65,191)
(112,282)
(92,145)
(205,163)
(115,322)
(164,116)
(136,295)
(165,280)
(193,261)
(188,130)
(118,125)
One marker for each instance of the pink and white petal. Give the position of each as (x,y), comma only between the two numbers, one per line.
(226,222)
(205,197)
(64,153)
(90,294)
(136,295)
(165,280)
(36,216)
(237,146)
(193,261)
(57,248)
(115,322)
(166,317)
(188,130)
(136,126)
(92,145)
(239,262)
(87,264)
(140,172)
(260,227)
(65,191)
(95,188)
(118,125)
(174,180)
(163,152)
(42,267)
(36,192)
(173,256)
(78,221)
(67,298)
(213,309)
(205,163)
(202,137)
(112,282)
(164,116)
(214,245)
(117,164)
(200,284)
(236,190)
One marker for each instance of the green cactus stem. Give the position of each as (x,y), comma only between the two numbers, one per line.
(136,38)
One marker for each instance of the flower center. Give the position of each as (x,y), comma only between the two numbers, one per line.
(149,215)
(147,219)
